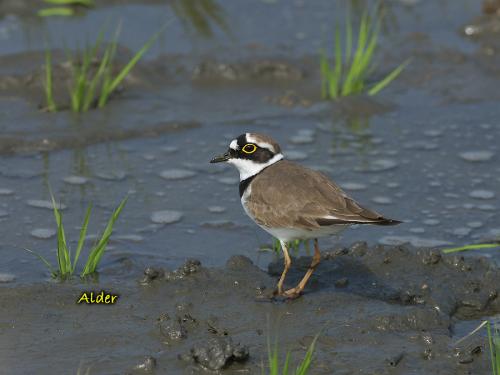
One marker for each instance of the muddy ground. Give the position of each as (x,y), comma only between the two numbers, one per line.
(381,310)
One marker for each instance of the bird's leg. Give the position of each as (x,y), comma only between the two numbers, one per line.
(288,262)
(295,292)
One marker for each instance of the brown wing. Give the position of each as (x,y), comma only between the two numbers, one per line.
(304,198)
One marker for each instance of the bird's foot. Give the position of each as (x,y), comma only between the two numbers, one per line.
(289,294)
(292,293)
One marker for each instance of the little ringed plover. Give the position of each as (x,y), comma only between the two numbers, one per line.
(291,202)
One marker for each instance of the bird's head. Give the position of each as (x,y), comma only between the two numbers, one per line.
(251,153)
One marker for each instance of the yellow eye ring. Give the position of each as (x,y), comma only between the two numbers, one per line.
(249,148)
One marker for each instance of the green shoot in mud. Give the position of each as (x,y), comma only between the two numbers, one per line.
(274,362)
(67,266)
(481,246)
(292,245)
(92,77)
(494,345)
(349,70)
(64,8)
(49,93)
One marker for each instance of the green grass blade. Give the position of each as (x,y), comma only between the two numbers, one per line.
(90,94)
(113,84)
(366,58)
(87,3)
(49,94)
(213,10)
(491,343)
(80,72)
(81,239)
(45,261)
(63,256)
(95,256)
(106,82)
(75,74)
(306,362)
(496,345)
(56,11)
(348,38)
(324,72)
(337,71)
(272,355)
(97,252)
(88,56)
(471,247)
(388,79)
(352,77)
(286,365)
(197,18)
(97,44)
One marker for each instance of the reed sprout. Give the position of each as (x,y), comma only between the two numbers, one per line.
(354,61)
(66,262)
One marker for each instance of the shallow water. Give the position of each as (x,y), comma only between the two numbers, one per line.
(424,151)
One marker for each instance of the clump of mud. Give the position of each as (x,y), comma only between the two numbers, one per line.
(217,353)
(153,273)
(491,7)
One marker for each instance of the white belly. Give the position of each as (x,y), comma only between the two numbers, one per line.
(290,234)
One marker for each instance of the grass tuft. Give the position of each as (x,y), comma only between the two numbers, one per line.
(348,72)
(65,266)
(92,76)
(274,362)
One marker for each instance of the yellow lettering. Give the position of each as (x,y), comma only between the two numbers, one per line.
(100,298)
(97,298)
(84,297)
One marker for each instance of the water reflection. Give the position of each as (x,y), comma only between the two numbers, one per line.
(200,16)
(352,133)
(384,9)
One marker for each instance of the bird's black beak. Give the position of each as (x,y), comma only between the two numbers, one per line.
(221,158)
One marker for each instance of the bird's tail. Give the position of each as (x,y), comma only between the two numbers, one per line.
(385,221)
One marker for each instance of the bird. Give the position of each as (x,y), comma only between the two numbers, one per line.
(290,201)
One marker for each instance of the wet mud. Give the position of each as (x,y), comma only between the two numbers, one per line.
(379,310)
(26,143)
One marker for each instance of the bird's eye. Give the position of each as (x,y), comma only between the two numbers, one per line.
(249,148)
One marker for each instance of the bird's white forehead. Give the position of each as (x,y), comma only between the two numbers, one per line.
(234,144)
(259,143)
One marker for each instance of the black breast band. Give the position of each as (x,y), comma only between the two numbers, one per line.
(244,184)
